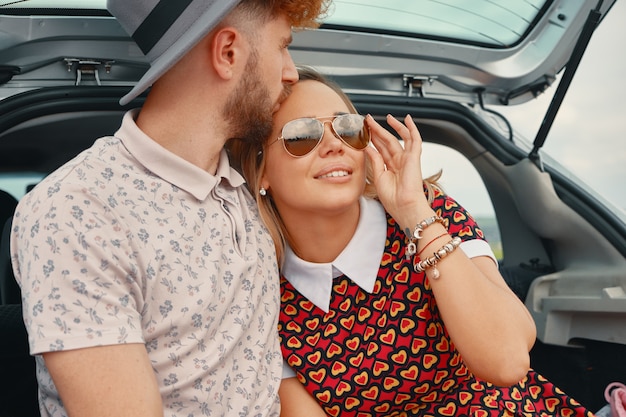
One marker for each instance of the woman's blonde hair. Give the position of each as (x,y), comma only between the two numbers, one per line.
(249,159)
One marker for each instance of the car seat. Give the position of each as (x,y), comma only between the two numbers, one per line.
(18,384)
(9,290)
(7,205)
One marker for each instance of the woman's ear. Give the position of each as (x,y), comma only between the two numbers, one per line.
(225,51)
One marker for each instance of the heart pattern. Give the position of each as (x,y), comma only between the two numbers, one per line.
(388,353)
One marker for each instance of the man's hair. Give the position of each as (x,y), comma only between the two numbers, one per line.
(299,13)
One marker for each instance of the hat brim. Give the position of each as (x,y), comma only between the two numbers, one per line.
(214,14)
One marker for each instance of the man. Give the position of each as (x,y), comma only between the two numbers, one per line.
(150,287)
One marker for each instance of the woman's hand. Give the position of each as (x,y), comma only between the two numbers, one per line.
(398,170)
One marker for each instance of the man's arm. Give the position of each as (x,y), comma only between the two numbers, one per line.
(103,381)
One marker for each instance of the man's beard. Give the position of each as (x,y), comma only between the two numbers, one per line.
(249,108)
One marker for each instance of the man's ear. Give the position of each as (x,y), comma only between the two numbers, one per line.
(225,50)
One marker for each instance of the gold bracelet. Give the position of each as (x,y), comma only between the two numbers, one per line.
(411,248)
(428,265)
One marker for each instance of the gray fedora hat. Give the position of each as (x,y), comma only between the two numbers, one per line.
(165,30)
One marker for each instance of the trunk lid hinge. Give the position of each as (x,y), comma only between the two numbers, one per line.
(416,82)
(88,68)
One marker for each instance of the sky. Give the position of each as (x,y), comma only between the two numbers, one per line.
(589,133)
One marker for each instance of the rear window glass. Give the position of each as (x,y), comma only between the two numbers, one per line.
(483,22)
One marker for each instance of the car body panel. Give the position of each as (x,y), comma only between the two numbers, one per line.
(430,48)
(503,74)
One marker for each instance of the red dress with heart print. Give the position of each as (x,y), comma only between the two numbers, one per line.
(388,353)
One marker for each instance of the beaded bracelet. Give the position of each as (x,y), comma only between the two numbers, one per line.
(411,248)
(429,263)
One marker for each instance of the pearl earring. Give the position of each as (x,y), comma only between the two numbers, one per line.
(263,191)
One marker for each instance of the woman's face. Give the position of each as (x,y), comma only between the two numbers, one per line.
(328,180)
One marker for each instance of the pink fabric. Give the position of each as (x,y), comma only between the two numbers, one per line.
(615,394)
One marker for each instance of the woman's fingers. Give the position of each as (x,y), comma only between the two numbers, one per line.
(383,140)
(396,168)
(414,138)
(392,152)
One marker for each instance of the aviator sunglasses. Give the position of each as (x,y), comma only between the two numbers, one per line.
(301,136)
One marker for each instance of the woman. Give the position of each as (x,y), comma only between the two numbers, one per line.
(385,311)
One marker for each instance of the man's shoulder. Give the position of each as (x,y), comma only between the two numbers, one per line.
(106,156)
(86,170)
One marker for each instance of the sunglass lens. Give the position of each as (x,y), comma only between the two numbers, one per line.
(300,136)
(352,129)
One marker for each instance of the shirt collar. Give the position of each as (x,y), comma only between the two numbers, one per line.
(359,261)
(171,167)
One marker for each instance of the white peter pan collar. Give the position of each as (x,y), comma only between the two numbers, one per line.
(359,261)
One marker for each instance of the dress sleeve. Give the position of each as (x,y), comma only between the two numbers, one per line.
(460,223)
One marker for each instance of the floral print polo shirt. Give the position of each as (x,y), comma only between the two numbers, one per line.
(129,243)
